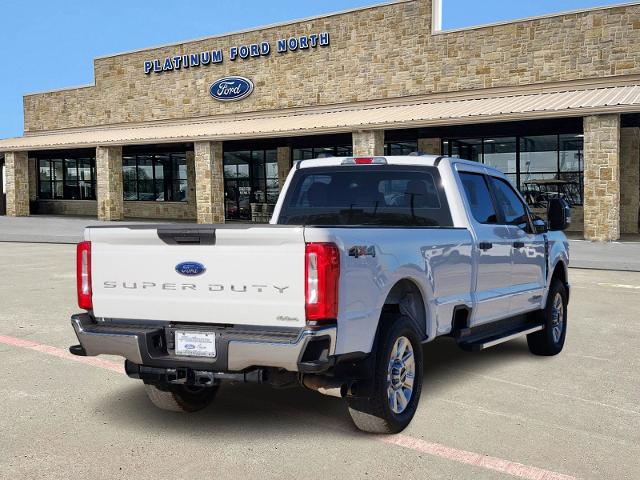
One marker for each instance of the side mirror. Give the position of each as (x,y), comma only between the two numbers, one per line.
(539,226)
(559,214)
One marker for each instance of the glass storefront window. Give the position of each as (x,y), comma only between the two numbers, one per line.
(308,153)
(500,153)
(541,166)
(155,177)
(250,176)
(400,148)
(66,178)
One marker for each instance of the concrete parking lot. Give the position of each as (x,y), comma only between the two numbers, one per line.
(497,414)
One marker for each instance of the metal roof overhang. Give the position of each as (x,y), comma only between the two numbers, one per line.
(441,112)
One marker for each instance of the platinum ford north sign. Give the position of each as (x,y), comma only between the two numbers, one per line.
(243,52)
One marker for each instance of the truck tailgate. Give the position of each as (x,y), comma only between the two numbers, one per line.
(252,275)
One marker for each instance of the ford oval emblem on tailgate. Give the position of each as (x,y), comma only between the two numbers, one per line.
(229,89)
(190,269)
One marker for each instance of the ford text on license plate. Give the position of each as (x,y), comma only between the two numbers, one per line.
(196,344)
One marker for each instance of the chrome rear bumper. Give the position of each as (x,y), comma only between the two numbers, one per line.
(238,349)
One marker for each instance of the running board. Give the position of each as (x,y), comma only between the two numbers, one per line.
(493,340)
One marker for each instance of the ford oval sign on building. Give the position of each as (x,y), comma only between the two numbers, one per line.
(231,89)
(190,269)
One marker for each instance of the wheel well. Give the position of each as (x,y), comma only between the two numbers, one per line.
(560,272)
(405,298)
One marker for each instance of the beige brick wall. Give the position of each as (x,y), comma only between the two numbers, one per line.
(629,179)
(17,176)
(109,183)
(209,182)
(368,142)
(375,53)
(602,177)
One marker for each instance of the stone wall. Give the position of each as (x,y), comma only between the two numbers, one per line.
(109,183)
(602,177)
(160,210)
(368,142)
(375,53)
(17,175)
(629,179)
(209,182)
(83,208)
(284,165)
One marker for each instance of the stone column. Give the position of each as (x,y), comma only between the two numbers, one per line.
(209,182)
(284,165)
(431,146)
(602,177)
(191,182)
(109,183)
(629,179)
(367,143)
(16,166)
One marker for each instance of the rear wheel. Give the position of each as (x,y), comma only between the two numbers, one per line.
(397,381)
(550,340)
(180,398)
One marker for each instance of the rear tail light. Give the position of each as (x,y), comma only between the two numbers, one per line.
(83,268)
(322,273)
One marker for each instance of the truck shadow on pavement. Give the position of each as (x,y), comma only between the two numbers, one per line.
(242,410)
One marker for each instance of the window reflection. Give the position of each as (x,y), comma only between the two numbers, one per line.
(67,177)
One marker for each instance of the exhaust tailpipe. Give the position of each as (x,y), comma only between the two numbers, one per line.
(326,385)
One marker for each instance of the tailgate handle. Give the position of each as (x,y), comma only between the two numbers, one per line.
(174,236)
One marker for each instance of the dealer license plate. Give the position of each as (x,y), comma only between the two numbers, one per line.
(196,344)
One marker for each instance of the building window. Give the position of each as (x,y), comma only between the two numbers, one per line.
(158,177)
(541,167)
(400,148)
(66,178)
(308,153)
(250,177)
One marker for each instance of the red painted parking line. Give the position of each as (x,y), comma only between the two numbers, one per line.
(61,353)
(461,456)
(471,458)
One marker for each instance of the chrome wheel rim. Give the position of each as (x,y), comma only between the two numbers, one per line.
(557,317)
(401,374)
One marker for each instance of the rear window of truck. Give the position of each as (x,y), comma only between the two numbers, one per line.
(366,195)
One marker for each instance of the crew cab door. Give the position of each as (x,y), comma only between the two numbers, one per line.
(528,249)
(493,245)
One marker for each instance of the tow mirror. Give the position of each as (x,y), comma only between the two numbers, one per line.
(559,214)
(539,226)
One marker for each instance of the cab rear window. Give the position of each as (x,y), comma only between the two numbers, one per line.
(366,195)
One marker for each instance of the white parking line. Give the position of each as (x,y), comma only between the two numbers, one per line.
(435,449)
(619,285)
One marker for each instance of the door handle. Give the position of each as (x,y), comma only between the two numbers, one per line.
(485,245)
(518,244)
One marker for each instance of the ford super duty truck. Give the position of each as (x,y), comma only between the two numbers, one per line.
(365,260)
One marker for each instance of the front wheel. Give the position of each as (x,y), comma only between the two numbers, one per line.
(180,398)
(397,381)
(550,340)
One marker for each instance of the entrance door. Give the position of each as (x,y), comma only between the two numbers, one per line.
(3,186)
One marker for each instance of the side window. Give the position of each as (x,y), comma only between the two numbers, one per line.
(513,210)
(477,192)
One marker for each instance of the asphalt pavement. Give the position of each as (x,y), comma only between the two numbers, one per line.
(501,413)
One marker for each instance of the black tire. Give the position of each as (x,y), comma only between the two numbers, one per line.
(375,414)
(180,398)
(550,340)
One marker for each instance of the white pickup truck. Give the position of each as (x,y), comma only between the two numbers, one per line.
(365,260)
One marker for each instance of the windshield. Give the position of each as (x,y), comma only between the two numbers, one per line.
(384,196)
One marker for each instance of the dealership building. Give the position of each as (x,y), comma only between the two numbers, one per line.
(207,130)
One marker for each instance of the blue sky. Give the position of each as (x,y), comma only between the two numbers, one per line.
(49,44)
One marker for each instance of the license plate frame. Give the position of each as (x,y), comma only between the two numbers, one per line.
(191,343)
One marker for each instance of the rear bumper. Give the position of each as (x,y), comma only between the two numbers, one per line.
(238,349)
